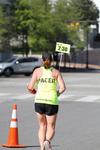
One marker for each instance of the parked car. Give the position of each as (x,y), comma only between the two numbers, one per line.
(19,65)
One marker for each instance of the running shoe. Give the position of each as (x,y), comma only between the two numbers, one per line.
(47,145)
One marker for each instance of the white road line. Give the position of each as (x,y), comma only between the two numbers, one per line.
(88,98)
(65,96)
(4,94)
(85,85)
(23,96)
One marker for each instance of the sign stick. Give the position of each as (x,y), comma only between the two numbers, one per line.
(60,60)
(62,48)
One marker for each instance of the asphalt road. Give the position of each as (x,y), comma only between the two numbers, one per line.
(78,123)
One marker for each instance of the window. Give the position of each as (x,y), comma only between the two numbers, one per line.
(31,59)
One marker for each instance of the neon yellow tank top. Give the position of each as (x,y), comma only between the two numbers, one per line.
(47,88)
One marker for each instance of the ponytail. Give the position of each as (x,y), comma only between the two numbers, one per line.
(46,64)
(47,58)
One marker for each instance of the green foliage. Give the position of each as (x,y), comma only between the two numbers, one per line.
(62,10)
(29,18)
(4,42)
(84,10)
(38,25)
(2,23)
(76,16)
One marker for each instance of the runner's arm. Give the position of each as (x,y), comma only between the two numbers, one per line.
(61,83)
(31,84)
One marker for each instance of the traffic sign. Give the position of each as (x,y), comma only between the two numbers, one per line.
(62,47)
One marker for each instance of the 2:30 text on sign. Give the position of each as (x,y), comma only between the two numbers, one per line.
(63,48)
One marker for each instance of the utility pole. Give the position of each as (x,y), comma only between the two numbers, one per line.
(87,51)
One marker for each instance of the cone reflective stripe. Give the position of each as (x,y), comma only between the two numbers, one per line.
(13,141)
(13,124)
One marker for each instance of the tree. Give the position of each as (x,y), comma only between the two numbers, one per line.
(31,23)
(2,22)
(64,14)
(76,16)
(38,25)
(84,10)
(3,29)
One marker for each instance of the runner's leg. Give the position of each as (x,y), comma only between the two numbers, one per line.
(51,122)
(42,129)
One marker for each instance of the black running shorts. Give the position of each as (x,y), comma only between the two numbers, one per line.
(46,109)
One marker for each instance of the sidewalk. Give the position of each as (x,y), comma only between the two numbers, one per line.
(76,67)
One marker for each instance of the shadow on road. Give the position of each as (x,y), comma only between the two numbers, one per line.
(28,146)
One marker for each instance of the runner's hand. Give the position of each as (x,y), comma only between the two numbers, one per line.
(58,94)
(33,91)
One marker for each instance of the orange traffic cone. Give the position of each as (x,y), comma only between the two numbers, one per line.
(13,132)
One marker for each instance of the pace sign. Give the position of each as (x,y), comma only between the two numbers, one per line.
(62,47)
